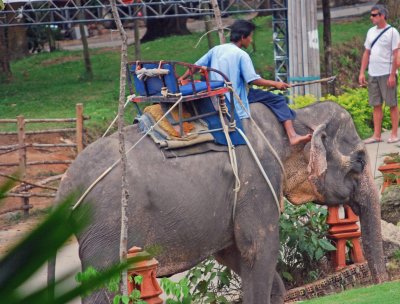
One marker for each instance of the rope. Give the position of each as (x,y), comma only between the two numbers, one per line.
(264,174)
(232,159)
(229,85)
(108,170)
(128,99)
(144,73)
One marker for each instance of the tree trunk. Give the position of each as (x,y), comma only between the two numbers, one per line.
(138,53)
(328,45)
(157,28)
(5,71)
(85,46)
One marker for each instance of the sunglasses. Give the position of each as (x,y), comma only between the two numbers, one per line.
(374,15)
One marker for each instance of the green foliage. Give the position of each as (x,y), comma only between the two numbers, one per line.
(179,291)
(208,282)
(36,249)
(303,240)
(112,285)
(2,6)
(396,255)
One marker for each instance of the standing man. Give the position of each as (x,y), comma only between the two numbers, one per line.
(236,64)
(381,47)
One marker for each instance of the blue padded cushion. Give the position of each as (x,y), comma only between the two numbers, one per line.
(154,84)
(200,86)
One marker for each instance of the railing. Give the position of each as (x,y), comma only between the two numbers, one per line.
(22,190)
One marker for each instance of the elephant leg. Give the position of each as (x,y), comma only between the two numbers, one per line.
(230,257)
(278,290)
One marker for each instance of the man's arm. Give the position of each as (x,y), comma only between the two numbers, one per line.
(392,77)
(261,82)
(364,64)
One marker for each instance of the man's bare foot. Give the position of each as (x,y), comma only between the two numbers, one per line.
(295,140)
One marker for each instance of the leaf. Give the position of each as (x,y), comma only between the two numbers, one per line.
(117,299)
(125,299)
(319,253)
(138,279)
(326,245)
(287,276)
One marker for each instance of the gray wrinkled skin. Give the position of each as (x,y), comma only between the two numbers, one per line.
(184,205)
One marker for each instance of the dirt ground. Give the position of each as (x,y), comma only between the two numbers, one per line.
(14,225)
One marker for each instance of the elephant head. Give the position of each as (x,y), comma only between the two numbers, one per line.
(334,168)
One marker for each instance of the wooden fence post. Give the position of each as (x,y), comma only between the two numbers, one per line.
(22,158)
(79,127)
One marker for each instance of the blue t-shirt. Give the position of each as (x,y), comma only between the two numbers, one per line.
(237,66)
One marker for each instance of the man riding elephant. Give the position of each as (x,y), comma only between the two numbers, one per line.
(236,64)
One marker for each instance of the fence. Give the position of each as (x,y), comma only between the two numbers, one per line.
(22,190)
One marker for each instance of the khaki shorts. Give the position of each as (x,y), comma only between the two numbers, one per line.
(378,91)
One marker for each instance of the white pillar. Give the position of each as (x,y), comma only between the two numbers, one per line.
(304,64)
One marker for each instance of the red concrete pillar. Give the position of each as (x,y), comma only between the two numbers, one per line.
(343,230)
(149,289)
(391,175)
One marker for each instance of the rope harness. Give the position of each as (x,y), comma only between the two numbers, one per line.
(143,74)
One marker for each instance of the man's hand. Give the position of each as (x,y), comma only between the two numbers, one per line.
(361,80)
(281,85)
(391,83)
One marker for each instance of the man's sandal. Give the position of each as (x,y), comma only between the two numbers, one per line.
(393,140)
(372,140)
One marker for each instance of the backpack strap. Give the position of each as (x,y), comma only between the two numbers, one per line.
(379,36)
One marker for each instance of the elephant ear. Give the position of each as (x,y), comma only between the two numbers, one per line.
(317,165)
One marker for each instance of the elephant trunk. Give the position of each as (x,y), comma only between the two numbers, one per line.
(368,205)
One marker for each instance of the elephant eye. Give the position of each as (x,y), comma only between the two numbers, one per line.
(358,162)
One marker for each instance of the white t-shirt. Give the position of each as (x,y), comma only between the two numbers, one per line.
(381,56)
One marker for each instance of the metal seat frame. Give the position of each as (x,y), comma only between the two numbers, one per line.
(175,95)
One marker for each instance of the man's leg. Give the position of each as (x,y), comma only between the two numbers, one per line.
(394,115)
(294,138)
(377,114)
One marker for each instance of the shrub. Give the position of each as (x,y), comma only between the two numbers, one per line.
(303,231)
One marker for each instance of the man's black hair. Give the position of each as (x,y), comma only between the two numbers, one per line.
(241,28)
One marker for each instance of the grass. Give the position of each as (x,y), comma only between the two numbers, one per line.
(387,293)
(48,85)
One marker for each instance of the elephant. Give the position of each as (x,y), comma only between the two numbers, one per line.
(184,205)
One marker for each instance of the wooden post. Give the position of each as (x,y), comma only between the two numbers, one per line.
(79,127)
(21,143)
(22,158)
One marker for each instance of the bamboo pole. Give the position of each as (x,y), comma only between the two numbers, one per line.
(15,209)
(65,130)
(8,121)
(44,162)
(45,120)
(29,194)
(123,244)
(79,127)
(218,21)
(32,185)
